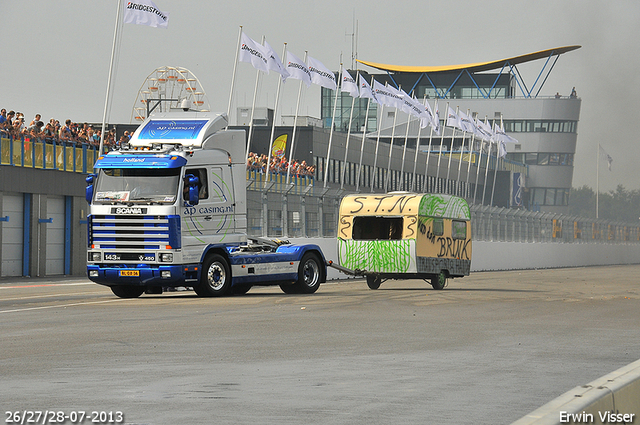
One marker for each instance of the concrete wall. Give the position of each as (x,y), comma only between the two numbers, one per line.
(488,256)
(617,392)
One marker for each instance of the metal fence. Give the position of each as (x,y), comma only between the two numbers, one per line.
(305,209)
(34,153)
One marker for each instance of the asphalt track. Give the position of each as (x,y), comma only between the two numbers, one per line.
(488,349)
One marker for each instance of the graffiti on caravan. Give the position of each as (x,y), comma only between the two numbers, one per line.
(228,209)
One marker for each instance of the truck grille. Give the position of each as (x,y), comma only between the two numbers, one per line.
(139,232)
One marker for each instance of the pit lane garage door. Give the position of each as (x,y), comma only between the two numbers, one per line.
(55,235)
(12,223)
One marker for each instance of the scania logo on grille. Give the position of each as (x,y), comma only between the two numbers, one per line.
(128,210)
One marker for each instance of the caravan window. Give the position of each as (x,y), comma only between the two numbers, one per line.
(458,229)
(438,226)
(377,228)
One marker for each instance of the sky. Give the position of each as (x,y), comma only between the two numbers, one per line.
(57,56)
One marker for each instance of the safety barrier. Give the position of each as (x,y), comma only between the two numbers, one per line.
(613,398)
(27,152)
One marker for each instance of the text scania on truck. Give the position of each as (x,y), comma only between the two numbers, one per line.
(168,209)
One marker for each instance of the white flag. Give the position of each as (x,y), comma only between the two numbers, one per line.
(428,118)
(467,123)
(502,149)
(274,63)
(254,53)
(365,90)
(348,84)
(298,69)
(604,155)
(502,135)
(436,118)
(484,130)
(386,96)
(145,12)
(320,75)
(453,120)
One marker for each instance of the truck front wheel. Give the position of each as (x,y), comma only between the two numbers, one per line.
(215,279)
(125,291)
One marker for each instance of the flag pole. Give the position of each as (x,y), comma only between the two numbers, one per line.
(464,134)
(453,135)
(486,170)
(475,189)
(346,148)
(440,153)
(495,171)
(375,156)
(106,100)
(426,170)
(233,76)
(415,159)
(333,118)
(393,133)
(364,138)
(275,111)
(471,142)
(597,181)
(253,108)
(404,150)
(295,120)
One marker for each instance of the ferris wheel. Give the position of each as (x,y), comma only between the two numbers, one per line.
(168,88)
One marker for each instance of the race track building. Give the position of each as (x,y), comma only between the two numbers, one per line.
(545,127)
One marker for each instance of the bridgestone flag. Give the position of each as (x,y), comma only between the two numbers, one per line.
(349,84)
(320,75)
(274,63)
(298,69)
(254,53)
(365,90)
(145,12)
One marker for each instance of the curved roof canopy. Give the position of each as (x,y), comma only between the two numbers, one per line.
(473,67)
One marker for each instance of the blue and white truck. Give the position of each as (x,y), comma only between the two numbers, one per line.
(168,209)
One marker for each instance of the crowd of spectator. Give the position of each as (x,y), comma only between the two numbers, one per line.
(279,165)
(13,125)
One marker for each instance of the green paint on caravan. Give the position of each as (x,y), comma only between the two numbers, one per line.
(446,206)
(376,255)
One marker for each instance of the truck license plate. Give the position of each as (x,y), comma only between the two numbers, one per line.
(129,273)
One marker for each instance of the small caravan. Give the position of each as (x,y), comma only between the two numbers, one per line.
(403,235)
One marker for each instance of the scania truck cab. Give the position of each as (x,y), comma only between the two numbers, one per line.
(168,209)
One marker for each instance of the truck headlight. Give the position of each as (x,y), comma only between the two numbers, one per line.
(93,273)
(166,257)
(95,256)
(165,274)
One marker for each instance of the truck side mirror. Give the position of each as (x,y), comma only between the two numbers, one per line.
(89,189)
(191,189)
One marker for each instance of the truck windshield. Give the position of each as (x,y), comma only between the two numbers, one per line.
(137,185)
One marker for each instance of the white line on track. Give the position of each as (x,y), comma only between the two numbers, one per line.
(62,305)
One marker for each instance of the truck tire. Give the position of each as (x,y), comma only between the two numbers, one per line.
(439,281)
(290,288)
(373,282)
(240,289)
(309,275)
(127,291)
(215,279)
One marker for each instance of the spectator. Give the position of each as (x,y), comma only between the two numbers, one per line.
(3,119)
(573,93)
(35,130)
(35,120)
(64,135)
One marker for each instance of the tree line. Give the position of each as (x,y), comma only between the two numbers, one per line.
(619,205)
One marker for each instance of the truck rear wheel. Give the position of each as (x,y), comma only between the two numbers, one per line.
(126,291)
(309,274)
(215,279)
(439,281)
